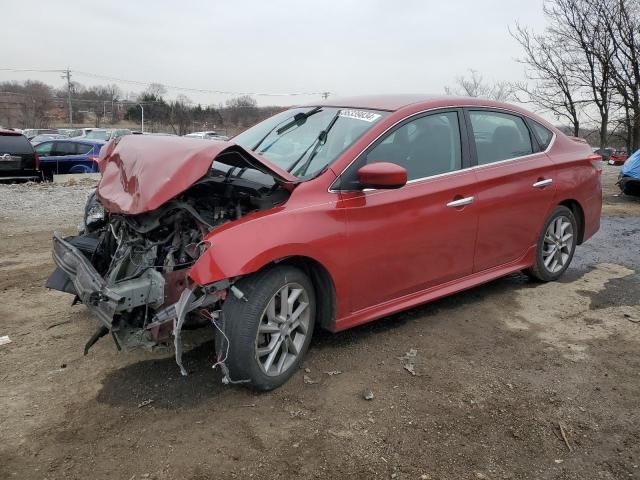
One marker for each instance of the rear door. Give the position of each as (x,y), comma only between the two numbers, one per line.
(514,186)
(66,156)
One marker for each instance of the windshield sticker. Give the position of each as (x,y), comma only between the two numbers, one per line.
(360,115)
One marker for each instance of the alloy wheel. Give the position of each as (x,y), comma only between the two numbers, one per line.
(558,244)
(283,329)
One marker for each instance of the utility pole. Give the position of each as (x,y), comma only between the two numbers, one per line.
(67,75)
(325,95)
(142,112)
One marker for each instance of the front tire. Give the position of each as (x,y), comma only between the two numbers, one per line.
(556,246)
(270,328)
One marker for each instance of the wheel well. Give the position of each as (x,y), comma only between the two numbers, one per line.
(575,207)
(322,284)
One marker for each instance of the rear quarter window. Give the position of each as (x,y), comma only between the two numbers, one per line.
(543,134)
(84,148)
(15,144)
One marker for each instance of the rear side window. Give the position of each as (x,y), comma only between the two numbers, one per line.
(15,144)
(499,136)
(44,149)
(544,134)
(84,148)
(62,149)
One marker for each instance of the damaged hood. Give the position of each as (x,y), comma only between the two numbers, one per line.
(140,173)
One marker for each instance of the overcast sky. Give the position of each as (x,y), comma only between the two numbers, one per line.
(347,47)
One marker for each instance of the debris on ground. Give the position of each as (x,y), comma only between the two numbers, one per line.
(333,372)
(564,436)
(4,340)
(144,403)
(309,381)
(367,394)
(409,361)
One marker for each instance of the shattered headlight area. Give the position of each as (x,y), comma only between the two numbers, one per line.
(94,213)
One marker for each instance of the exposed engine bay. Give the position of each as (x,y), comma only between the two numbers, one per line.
(131,271)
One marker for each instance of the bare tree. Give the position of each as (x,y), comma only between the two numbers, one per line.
(550,83)
(624,30)
(180,115)
(32,102)
(581,27)
(475,86)
(242,111)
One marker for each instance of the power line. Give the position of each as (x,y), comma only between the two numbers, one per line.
(171,87)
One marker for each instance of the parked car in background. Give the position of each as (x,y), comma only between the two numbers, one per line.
(618,157)
(68,156)
(105,134)
(32,132)
(71,132)
(208,135)
(18,159)
(46,136)
(330,215)
(605,153)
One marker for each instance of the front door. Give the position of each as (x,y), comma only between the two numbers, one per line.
(422,234)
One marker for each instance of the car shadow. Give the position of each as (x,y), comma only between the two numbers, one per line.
(160,379)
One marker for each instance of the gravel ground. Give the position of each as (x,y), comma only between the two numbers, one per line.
(514,380)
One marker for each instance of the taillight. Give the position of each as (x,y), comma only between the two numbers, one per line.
(596,161)
(92,159)
(37,158)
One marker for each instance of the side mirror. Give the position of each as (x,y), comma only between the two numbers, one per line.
(382,175)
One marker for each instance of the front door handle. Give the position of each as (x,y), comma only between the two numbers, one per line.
(460,202)
(543,183)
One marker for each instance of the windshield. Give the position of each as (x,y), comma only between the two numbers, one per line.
(304,141)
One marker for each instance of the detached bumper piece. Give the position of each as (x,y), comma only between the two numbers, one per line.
(105,301)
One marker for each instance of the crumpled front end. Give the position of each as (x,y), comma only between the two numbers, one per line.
(131,271)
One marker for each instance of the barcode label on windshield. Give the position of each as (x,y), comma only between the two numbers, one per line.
(360,115)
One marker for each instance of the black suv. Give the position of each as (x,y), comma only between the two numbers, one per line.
(18,159)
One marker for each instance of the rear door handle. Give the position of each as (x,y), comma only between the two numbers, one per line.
(543,183)
(460,202)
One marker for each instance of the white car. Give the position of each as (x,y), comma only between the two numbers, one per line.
(208,135)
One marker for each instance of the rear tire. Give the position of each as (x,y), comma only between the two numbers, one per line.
(268,337)
(556,246)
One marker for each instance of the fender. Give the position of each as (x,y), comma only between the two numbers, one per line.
(246,245)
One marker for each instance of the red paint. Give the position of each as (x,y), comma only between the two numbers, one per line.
(140,173)
(390,249)
(382,175)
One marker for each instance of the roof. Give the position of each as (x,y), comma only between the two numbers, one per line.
(377,102)
(395,102)
(86,140)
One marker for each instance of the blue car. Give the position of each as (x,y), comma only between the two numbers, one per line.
(68,156)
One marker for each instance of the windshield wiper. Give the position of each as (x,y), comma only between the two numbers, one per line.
(298,119)
(321,140)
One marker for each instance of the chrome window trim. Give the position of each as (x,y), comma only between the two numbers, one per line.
(448,107)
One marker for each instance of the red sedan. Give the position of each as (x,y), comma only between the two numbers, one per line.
(329,215)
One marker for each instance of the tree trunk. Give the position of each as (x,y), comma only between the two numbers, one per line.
(604,123)
(635,137)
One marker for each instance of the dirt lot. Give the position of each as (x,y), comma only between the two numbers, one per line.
(500,369)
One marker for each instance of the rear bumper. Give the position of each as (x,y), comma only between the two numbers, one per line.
(20,175)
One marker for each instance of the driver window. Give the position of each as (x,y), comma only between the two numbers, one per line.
(426,146)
